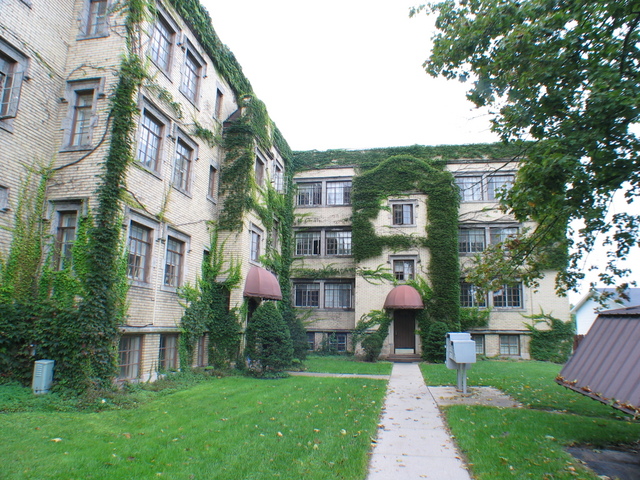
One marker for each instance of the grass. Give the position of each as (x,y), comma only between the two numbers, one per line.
(227,428)
(507,443)
(345,364)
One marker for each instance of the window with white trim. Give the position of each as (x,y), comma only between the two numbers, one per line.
(129,357)
(509,296)
(479,339)
(483,187)
(338,340)
(309,194)
(255,248)
(13,66)
(509,344)
(404,269)
(308,243)
(323,242)
(339,193)
(338,295)
(471,296)
(475,238)
(502,234)
(338,242)
(306,294)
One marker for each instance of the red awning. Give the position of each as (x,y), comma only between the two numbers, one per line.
(262,283)
(404,296)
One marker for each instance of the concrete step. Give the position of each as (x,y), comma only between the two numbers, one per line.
(404,358)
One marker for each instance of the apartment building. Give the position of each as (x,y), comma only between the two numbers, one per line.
(336,290)
(56,94)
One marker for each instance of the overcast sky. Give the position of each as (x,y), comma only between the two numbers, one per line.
(348,74)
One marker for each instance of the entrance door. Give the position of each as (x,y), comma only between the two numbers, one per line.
(404,331)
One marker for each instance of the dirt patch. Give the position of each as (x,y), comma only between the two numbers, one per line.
(620,464)
(475,396)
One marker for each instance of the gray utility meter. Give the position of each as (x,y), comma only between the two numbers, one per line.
(460,354)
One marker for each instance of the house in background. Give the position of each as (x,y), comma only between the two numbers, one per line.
(587,309)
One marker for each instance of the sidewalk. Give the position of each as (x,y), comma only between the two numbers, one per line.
(413,443)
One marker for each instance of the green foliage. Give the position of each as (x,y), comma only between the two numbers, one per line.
(269,348)
(434,346)
(396,176)
(372,340)
(564,74)
(552,345)
(207,310)
(473,317)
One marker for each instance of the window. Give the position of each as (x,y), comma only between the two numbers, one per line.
(337,295)
(182,166)
(471,240)
(81,125)
(508,297)
(278,180)
(150,141)
(162,40)
(338,243)
(12,72)
(496,184)
(479,339)
(129,356)
(97,18)
(191,73)
(339,193)
(499,235)
(470,188)
(259,171)
(201,353)
(403,214)
(218,105)
(174,262)
(4,199)
(309,194)
(403,270)
(311,341)
(139,263)
(509,345)
(307,243)
(338,340)
(483,187)
(65,236)
(307,294)
(168,353)
(212,190)
(255,245)
(470,296)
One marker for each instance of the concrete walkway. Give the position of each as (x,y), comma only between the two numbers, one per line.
(413,442)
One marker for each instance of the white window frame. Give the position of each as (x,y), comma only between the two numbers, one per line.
(130,358)
(309,291)
(404,207)
(474,238)
(507,347)
(316,291)
(404,261)
(310,193)
(469,296)
(507,294)
(480,341)
(341,292)
(481,187)
(338,192)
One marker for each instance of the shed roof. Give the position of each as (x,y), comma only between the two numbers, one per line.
(606,365)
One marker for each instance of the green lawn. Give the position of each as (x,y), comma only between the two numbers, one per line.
(344,364)
(507,443)
(228,428)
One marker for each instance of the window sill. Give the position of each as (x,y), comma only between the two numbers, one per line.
(91,37)
(139,284)
(184,192)
(80,148)
(168,289)
(192,101)
(212,200)
(151,172)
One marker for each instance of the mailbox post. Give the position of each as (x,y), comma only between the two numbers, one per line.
(460,353)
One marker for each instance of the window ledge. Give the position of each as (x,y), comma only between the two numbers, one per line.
(139,284)
(81,148)
(91,37)
(184,192)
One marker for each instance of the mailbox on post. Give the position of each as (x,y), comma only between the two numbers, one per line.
(460,354)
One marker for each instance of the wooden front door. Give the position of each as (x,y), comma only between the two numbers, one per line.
(404,329)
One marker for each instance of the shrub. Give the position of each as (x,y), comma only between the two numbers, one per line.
(269,347)
(372,345)
(553,345)
(434,347)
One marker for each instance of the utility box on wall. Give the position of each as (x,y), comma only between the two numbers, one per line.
(42,376)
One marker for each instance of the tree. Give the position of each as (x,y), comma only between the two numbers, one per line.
(269,347)
(562,78)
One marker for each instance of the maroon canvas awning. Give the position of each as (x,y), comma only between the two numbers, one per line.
(262,283)
(404,297)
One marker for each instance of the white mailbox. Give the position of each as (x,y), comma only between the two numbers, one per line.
(460,353)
